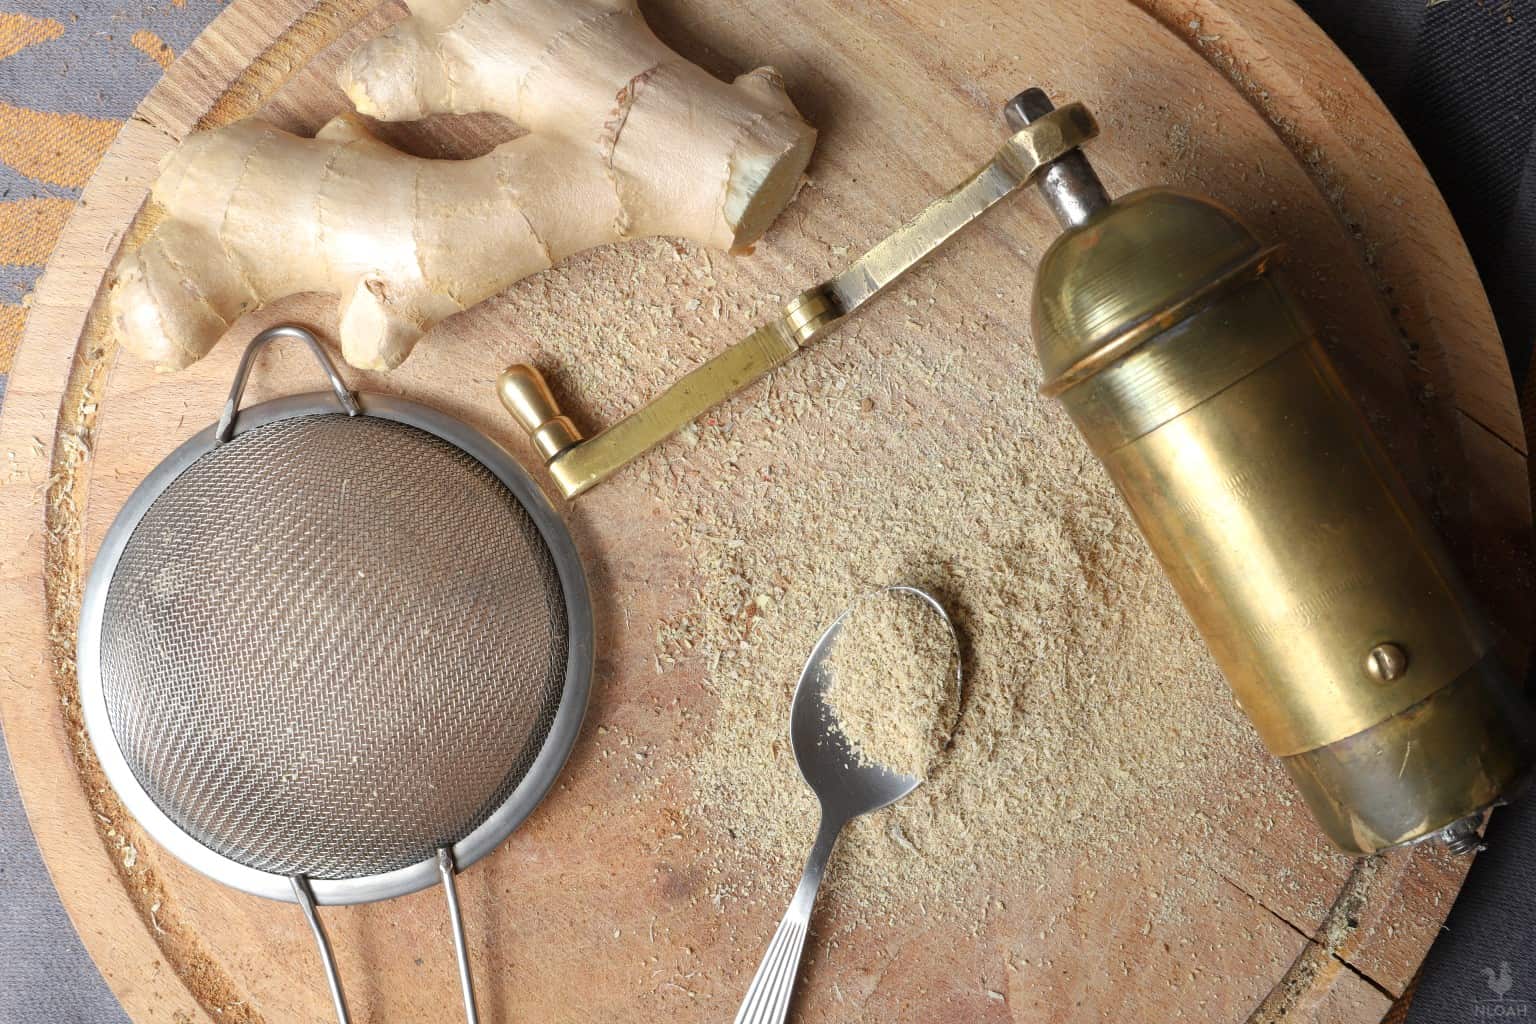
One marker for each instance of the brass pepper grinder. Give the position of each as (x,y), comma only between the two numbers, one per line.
(1323,593)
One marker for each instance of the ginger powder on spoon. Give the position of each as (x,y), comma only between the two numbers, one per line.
(894,682)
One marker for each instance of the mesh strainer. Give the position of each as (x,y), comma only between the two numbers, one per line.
(334,648)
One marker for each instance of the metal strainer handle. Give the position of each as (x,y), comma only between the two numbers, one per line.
(344,395)
(447,870)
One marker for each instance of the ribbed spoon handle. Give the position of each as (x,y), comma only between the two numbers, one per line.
(768,996)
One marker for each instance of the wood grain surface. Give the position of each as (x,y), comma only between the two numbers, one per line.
(595,916)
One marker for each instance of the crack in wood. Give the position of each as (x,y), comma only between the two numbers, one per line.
(1325,952)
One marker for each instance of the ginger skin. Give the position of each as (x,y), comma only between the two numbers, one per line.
(625,139)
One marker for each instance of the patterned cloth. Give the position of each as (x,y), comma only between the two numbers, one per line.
(1455,72)
(70,74)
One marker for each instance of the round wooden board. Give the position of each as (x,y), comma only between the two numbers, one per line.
(593,916)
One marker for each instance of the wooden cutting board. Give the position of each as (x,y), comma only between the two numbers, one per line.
(589,916)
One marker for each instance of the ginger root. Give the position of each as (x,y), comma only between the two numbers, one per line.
(625,139)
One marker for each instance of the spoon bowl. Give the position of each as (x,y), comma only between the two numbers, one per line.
(845,783)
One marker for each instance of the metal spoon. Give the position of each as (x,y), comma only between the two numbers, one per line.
(847,787)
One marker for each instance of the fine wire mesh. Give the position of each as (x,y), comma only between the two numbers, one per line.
(332,645)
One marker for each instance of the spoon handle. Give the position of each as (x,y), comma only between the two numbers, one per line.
(767,999)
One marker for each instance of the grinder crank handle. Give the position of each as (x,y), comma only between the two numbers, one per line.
(577,463)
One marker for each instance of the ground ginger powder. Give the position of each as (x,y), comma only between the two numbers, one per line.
(910,446)
(893,681)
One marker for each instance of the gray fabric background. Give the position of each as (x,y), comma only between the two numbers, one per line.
(1458,74)
(45,975)
(1459,77)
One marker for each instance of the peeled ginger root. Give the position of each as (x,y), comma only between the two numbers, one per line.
(625,139)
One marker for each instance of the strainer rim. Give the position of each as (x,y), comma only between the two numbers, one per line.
(519,804)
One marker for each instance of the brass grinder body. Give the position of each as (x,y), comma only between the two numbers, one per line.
(1321,590)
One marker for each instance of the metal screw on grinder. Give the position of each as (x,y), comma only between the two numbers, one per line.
(1386,663)
(1071,188)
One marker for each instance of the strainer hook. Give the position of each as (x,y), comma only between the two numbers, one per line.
(344,395)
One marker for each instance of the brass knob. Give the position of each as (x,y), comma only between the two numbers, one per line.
(527,397)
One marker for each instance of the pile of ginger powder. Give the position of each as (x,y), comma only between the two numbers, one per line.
(910,446)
